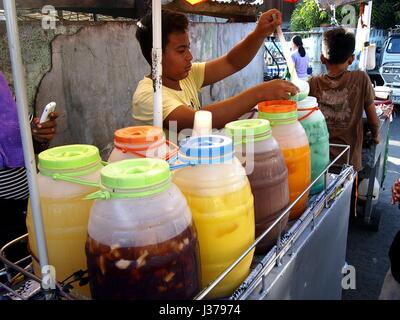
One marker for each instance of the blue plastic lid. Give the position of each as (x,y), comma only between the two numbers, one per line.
(210,149)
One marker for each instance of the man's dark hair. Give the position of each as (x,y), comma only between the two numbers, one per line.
(171,22)
(339,45)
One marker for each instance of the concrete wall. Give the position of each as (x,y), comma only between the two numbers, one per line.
(36,52)
(94,69)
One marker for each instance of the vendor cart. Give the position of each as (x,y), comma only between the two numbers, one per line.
(306,262)
(374,158)
(309,262)
(308,259)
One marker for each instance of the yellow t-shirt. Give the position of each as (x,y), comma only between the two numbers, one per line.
(142,102)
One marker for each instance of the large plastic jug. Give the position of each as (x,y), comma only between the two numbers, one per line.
(313,122)
(293,141)
(141,242)
(142,142)
(265,167)
(67,175)
(219,196)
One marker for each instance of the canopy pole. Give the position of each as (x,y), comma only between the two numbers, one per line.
(26,136)
(365,35)
(156,64)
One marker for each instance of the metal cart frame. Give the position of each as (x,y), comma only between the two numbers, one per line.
(309,226)
(308,235)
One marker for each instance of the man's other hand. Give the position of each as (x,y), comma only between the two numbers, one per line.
(44,132)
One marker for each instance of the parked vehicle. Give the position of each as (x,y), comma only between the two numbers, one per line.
(390,65)
(274,61)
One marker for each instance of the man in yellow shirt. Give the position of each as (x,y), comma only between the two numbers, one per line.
(182,80)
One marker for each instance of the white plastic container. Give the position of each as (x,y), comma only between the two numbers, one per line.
(202,123)
(313,122)
(141,243)
(219,196)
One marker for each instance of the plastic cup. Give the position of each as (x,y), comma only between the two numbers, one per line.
(202,123)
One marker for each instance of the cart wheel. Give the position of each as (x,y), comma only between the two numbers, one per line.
(375,220)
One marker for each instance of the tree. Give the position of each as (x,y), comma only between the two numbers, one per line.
(308,15)
(386,13)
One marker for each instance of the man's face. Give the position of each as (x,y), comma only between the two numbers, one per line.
(176,60)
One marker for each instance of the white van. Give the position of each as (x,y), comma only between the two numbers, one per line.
(390,66)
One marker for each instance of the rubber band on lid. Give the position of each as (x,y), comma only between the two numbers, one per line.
(311,111)
(170,156)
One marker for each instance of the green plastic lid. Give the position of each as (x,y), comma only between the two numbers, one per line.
(69,157)
(136,174)
(249,130)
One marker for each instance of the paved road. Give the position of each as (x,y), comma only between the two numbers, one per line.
(367,251)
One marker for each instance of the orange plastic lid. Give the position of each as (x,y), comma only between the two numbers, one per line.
(277,106)
(138,135)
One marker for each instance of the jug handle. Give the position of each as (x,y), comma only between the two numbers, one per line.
(57,176)
(183,165)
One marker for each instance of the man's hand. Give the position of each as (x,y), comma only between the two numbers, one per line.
(396,192)
(268,22)
(45,131)
(276,90)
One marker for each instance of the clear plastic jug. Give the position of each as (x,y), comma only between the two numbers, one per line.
(67,175)
(142,142)
(313,122)
(266,170)
(141,242)
(219,196)
(293,141)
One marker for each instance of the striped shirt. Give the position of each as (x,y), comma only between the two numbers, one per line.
(13,184)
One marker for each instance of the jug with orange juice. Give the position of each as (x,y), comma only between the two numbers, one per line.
(293,141)
(67,174)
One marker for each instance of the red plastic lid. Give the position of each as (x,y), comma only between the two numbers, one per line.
(138,135)
(277,106)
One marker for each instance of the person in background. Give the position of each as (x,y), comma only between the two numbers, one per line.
(391,285)
(300,58)
(182,80)
(14,191)
(343,96)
